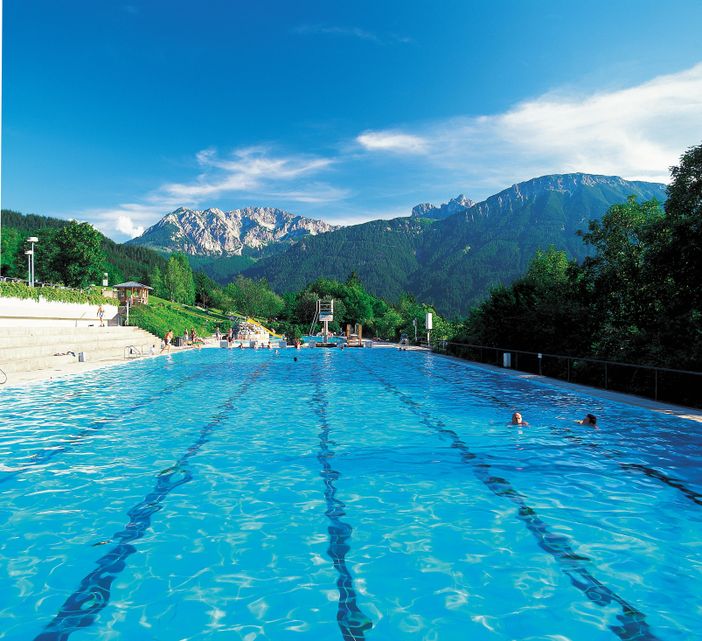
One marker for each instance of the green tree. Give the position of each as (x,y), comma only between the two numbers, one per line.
(622,298)
(204,289)
(254,298)
(157,283)
(675,266)
(78,257)
(178,281)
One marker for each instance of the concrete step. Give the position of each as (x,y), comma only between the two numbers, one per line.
(58,337)
(55,329)
(51,362)
(55,362)
(25,349)
(37,349)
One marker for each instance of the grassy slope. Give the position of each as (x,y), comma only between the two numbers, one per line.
(161,315)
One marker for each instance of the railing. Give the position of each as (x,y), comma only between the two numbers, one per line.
(132,351)
(659,383)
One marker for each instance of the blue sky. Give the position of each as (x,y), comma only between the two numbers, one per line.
(117,112)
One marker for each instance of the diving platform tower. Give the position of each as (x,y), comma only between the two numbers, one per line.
(325,314)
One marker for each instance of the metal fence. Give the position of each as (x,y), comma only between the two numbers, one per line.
(679,386)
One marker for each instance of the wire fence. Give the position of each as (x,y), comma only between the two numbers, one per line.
(683,387)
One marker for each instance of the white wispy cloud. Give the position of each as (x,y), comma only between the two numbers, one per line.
(127,219)
(351,32)
(394,141)
(245,170)
(252,172)
(635,132)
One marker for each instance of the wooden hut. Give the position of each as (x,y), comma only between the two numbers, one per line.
(135,293)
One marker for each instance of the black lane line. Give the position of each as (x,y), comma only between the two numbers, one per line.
(633,622)
(93,594)
(48,453)
(613,455)
(353,623)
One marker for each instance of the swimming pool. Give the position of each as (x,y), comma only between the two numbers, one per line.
(320,339)
(355,494)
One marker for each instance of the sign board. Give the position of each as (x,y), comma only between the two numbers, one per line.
(325,309)
(429,321)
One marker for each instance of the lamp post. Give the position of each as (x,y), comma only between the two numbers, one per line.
(29,253)
(31,240)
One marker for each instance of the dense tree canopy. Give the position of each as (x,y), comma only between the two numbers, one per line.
(78,257)
(636,298)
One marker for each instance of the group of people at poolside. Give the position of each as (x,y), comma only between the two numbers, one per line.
(589,420)
(189,338)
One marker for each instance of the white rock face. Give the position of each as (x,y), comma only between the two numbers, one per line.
(455,205)
(227,233)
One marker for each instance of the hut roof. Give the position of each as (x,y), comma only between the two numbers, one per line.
(131,283)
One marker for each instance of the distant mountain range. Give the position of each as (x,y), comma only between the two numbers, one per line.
(214,232)
(452,260)
(448,255)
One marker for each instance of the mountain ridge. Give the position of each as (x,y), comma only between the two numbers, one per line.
(453,261)
(214,232)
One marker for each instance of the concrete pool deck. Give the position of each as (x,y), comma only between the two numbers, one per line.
(66,370)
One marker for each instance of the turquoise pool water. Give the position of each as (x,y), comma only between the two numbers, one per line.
(348,495)
(320,339)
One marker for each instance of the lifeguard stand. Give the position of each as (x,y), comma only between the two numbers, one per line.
(355,338)
(325,314)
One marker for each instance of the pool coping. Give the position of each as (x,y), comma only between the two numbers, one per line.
(688,413)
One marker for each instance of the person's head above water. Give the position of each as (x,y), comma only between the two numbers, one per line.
(518,420)
(590,419)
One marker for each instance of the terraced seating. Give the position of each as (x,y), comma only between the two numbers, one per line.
(25,349)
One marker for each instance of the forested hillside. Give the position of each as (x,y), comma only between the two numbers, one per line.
(382,252)
(121,262)
(636,298)
(452,263)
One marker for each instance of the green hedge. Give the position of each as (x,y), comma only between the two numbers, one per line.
(60,295)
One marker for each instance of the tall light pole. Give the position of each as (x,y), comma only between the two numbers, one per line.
(0,145)
(32,240)
(29,254)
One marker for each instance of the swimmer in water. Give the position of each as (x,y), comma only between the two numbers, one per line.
(590,419)
(517,420)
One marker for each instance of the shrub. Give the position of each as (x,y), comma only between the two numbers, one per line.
(56,294)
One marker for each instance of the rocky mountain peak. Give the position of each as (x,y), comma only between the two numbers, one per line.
(227,233)
(453,206)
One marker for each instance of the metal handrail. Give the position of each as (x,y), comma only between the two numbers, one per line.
(134,351)
(573,358)
(685,394)
(2,371)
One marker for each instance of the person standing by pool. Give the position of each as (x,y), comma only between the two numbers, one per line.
(101,314)
(167,341)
